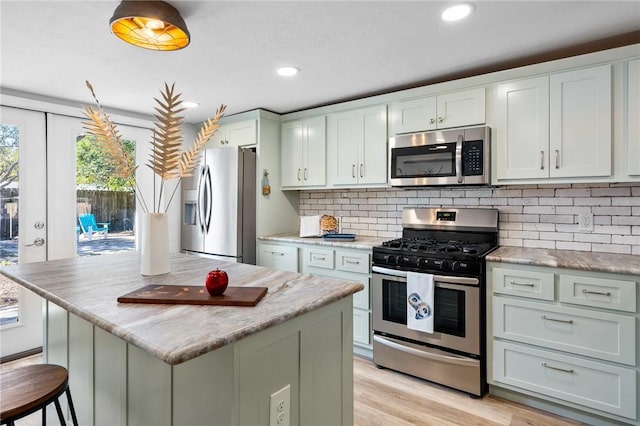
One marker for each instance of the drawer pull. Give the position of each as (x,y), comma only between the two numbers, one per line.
(544,317)
(512,282)
(565,370)
(600,293)
(353,262)
(319,258)
(277,253)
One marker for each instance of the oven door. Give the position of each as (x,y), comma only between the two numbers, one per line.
(457,314)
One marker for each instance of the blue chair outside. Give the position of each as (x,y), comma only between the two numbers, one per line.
(89,226)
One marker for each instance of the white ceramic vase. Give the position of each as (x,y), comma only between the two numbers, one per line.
(154,245)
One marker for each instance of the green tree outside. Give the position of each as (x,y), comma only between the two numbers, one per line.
(94,169)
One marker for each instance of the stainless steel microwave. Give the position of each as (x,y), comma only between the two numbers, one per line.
(446,157)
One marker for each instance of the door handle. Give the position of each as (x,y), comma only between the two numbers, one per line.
(541,160)
(37,242)
(459,159)
(353,170)
(557,158)
(361,170)
(201,183)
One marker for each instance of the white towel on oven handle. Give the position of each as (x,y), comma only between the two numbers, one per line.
(420,302)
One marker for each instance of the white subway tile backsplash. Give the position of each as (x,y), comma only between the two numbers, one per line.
(539,244)
(543,216)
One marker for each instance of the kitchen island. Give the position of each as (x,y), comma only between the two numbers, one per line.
(145,364)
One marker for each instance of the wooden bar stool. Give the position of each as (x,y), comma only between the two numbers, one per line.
(25,390)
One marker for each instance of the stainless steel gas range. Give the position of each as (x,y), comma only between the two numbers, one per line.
(450,246)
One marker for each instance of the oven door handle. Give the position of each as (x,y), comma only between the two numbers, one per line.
(449,359)
(438,278)
(459,159)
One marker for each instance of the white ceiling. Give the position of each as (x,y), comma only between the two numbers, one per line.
(344,49)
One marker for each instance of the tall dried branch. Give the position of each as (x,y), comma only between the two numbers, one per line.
(189,158)
(167,140)
(108,136)
(167,159)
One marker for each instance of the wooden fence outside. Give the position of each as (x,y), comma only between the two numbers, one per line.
(116,208)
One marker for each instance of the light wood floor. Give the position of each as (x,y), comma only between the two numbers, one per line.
(387,398)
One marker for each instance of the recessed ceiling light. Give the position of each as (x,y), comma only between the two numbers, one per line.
(189,104)
(288,71)
(457,12)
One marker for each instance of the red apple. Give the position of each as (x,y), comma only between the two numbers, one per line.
(216,282)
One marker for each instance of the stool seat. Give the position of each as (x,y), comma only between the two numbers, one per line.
(24,390)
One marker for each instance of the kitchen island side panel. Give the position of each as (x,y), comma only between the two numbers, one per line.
(228,386)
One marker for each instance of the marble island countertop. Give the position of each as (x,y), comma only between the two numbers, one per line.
(360,242)
(89,287)
(581,260)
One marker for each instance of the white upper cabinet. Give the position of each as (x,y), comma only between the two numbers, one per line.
(556,126)
(456,109)
(633,118)
(522,137)
(241,133)
(303,152)
(580,125)
(357,147)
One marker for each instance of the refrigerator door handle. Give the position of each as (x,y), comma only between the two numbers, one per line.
(209,205)
(201,200)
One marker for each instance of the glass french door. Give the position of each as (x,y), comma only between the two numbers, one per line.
(23,223)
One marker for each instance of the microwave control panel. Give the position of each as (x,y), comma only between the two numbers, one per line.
(472,158)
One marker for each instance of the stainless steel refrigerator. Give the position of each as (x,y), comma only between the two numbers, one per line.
(219,206)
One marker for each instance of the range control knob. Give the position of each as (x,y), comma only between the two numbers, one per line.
(460,266)
(442,264)
(391,259)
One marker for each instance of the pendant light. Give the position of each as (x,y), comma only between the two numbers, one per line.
(154,25)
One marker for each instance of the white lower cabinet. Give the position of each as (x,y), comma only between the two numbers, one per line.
(332,262)
(596,385)
(274,256)
(352,265)
(565,336)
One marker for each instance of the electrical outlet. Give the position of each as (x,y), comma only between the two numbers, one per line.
(280,407)
(585,222)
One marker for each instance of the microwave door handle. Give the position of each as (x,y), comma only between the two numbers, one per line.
(459,159)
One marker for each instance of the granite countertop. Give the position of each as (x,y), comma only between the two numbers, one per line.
(581,260)
(361,242)
(89,287)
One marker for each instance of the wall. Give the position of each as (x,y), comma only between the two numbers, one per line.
(543,216)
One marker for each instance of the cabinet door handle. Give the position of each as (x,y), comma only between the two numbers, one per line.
(565,370)
(512,282)
(601,293)
(557,152)
(432,120)
(306,174)
(544,317)
(277,253)
(318,257)
(352,262)
(299,175)
(361,170)
(541,160)
(353,170)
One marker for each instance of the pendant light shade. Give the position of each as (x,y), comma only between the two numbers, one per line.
(154,25)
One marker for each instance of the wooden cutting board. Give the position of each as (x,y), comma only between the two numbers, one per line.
(194,295)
